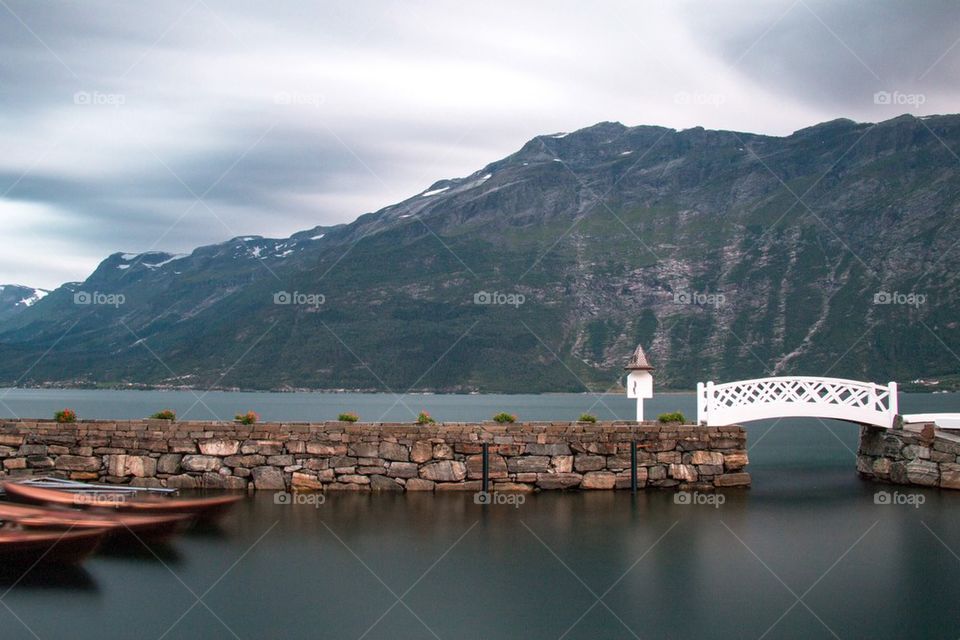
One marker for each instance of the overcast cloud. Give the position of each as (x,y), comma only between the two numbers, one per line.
(116,116)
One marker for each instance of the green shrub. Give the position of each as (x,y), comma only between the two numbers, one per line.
(425,418)
(166,414)
(587,417)
(65,415)
(676,416)
(348,417)
(504,417)
(247,418)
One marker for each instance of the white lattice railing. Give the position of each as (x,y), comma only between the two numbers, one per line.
(796,396)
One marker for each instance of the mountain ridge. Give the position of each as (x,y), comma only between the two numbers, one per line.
(605,232)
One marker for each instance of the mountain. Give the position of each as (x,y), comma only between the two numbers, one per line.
(727,255)
(15,298)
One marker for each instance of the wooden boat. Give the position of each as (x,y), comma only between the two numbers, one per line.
(207,509)
(154,528)
(29,548)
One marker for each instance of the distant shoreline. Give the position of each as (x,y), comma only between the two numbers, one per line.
(904,388)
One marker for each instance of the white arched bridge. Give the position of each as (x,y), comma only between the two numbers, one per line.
(797,397)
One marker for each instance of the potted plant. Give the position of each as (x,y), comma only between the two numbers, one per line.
(166,414)
(348,417)
(587,417)
(249,417)
(65,415)
(505,418)
(425,418)
(676,416)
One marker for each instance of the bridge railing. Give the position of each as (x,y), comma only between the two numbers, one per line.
(796,396)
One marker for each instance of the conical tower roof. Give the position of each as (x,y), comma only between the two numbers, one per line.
(639,361)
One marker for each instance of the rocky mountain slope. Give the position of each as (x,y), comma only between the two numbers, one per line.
(728,255)
(15,298)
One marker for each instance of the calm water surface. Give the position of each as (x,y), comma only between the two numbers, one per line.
(806,553)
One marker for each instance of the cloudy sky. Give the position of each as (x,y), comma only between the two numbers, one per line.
(135,126)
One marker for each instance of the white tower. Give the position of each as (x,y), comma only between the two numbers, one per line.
(639,380)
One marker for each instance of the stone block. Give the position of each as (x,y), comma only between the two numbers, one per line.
(923,473)
(78,463)
(305,482)
(714,458)
(599,480)
(383,483)
(735,460)
(419,484)
(394,451)
(950,475)
(444,471)
(267,478)
(528,464)
(200,463)
(559,480)
(732,480)
(403,470)
(325,449)
(558,449)
(583,462)
(182,481)
(498,466)
(442,452)
(219,447)
(683,472)
(562,464)
(353,479)
(421,451)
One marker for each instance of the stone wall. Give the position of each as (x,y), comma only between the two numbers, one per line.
(379,457)
(918,454)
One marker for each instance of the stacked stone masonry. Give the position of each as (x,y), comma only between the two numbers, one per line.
(918,454)
(337,456)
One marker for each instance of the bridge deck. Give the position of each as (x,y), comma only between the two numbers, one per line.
(942,420)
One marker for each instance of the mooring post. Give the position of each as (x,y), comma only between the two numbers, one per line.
(486,467)
(633,466)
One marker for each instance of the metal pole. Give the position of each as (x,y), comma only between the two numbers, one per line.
(486,467)
(633,467)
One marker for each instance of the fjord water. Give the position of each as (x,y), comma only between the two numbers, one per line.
(806,553)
